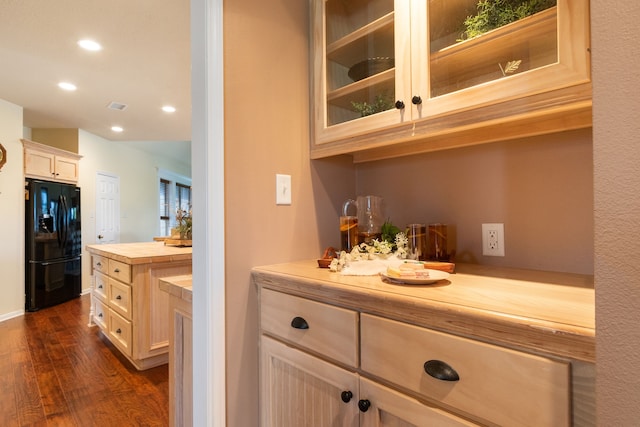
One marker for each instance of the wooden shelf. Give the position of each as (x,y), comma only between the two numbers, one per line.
(357,46)
(532,40)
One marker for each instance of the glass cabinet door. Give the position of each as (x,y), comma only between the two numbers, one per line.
(362,56)
(472,42)
(470,52)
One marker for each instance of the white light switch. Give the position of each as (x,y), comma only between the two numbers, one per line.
(283,189)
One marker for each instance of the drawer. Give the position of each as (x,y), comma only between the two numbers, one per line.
(502,386)
(120,298)
(100,263)
(331,331)
(100,286)
(120,270)
(120,332)
(100,313)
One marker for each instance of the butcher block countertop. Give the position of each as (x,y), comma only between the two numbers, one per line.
(141,253)
(546,312)
(178,286)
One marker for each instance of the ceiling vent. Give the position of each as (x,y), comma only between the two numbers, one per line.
(117,106)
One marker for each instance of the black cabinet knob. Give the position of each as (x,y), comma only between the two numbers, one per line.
(399,105)
(299,323)
(416,100)
(346,396)
(118,331)
(364,405)
(118,297)
(440,370)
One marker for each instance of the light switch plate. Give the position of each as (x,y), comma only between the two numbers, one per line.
(283,189)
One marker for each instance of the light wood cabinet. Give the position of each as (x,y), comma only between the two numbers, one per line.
(49,163)
(180,349)
(129,307)
(411,355)
(427,90)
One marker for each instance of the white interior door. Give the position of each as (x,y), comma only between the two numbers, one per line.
(107,208)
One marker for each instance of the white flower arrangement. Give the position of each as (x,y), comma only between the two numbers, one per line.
(378,249)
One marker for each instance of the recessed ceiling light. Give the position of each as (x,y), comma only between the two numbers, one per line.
(116,128)
(169,109)
(89,45)
(67,86)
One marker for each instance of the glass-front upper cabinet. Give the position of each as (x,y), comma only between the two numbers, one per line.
(390,72)
(470,52)
(361,63)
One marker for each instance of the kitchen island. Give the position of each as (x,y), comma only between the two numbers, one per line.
(126,301)
(487,345)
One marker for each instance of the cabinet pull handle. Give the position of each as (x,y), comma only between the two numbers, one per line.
(440,370)
(346,396)
(399,105)
(98,264)
(118,331)
(118,297)
(364,405)
(416,100)
(117,270)
(299,323)
(100,315)
(99,286)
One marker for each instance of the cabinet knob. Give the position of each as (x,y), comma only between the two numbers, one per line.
(99,264)
(440,370)
(346,396)
(118,297)
(100,236)
(118,331)
(399,105)
(299,323)
(100,315)
(416,100)
(99,286)
(117,270)
(364,405)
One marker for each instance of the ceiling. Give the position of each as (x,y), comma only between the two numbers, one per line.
(144,63)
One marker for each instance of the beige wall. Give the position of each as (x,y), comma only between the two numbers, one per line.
(64,138)
(267,132)
(616,129)
(540,188)
(11,213)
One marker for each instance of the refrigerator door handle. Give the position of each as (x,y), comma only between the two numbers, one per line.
(56,262)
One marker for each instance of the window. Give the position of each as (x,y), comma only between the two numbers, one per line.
(174,192)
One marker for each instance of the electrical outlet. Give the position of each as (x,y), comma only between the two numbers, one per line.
(493,239)
(283,189)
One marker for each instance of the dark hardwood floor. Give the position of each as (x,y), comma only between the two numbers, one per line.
(55,370)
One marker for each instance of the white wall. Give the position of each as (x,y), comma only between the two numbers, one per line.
(138,172)
(11,213)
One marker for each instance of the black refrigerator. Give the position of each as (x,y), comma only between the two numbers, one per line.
(53,243)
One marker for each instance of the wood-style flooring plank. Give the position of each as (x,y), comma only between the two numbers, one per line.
(58,371)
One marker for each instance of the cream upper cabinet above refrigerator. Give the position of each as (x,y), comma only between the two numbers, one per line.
(399,77)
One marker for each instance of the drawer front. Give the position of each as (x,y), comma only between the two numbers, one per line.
(100,286)
(100,263)
(332,331)
(120,270)
(120,298)
(502,386)
(120,332)
(100,313)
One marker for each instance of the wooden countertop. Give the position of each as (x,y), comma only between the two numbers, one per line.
(547,312)
(141,253)
(179,286)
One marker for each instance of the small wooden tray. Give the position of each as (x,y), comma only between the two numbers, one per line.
(177,242)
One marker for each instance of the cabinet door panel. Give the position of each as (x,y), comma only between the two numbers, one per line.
(301,390)
(392,409)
